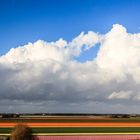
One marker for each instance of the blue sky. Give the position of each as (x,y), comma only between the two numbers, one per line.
(23,21)
(45,77)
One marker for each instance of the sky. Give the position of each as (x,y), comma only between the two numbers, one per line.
(69,56)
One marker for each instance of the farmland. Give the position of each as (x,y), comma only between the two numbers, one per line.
(76,126)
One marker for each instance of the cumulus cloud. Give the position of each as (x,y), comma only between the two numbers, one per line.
(119,53)
(45,77)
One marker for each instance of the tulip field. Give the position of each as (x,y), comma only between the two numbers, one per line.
(73,128)
(93,137)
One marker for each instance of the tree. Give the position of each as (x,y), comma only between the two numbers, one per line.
(21,132)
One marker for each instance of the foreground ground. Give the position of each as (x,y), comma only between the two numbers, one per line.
(77,127)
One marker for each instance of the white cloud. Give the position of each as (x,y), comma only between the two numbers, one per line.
(120,95)
(84,42)
(119,54)
(60,43)
(89,40)
(46,77)
(40,50)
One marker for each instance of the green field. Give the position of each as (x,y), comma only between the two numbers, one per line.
(80,130)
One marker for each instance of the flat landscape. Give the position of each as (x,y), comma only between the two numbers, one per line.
(86,125)
(72,128)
